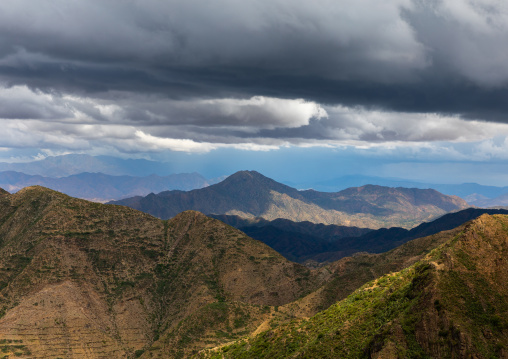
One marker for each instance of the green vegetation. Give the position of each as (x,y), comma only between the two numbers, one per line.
(350,329)
(215,324)
(454,303)
(7,349)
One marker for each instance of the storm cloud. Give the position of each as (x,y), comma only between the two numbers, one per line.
(195,76)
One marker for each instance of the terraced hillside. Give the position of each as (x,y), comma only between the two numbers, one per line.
(83,279)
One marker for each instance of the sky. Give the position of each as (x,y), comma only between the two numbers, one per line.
(414,89)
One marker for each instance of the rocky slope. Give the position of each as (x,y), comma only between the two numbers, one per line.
(82,279)
(450,304)
(250,194)
(341,278)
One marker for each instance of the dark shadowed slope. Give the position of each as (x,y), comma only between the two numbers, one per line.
(303,241)
(383,239)
(329,233)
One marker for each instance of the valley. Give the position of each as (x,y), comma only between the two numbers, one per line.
(307,242)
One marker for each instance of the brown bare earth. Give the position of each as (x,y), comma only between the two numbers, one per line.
(81,279)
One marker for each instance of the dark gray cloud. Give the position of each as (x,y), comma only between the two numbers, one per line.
(295,37)
(421,56)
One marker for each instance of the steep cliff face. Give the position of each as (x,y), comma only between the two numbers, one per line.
(451,304)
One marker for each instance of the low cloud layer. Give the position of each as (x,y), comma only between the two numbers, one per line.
(34,119)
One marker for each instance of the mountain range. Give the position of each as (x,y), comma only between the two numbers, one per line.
(250,194)
(67,165)
(101,187)
(467,191)
(499,201)
(85,279)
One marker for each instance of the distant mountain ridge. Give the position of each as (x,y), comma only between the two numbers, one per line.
(72,164)
(470,192)
(67,165)
(499,201)
(101,187)
(250,194)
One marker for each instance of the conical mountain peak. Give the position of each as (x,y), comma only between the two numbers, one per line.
(253,178)
(247,173)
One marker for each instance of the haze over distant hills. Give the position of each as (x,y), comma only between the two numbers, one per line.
(67,165)
(101,187)
(499,201)
(250,194)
